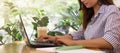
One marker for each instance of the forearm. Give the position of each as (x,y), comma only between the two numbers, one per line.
(95,43)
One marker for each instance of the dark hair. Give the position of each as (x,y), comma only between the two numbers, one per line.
(89,12)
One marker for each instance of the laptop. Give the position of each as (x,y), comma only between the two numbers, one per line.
(33,44)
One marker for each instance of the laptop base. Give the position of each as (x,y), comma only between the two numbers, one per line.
(41,44)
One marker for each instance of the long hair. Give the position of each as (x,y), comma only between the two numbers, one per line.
(89,12)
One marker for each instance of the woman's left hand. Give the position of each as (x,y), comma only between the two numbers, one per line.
(65,40)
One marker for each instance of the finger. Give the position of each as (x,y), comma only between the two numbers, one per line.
(40,36)
(45,40)
(40,39)
(43,36)
(63,41)
(59,41)
(52,39)
(58,37)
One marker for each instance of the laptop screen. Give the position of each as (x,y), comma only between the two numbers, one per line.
(22,29)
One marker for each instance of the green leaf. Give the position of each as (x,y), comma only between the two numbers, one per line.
(35,19)
(43,22)
(15,13)
(1,37)
(40,12)
(19,36)
(54,33)
(12,30)
(34,25)
(36,35)
(8,30)
(67,23)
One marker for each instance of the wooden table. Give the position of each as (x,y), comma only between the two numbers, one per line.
(18,47)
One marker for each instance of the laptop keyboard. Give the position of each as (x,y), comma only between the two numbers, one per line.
(40,43)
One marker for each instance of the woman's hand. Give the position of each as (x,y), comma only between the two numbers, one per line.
(64,40)
(46,38)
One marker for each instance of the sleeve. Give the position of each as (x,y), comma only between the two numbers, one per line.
(112,30)
(78,35)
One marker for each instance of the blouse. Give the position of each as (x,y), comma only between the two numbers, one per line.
(105,24)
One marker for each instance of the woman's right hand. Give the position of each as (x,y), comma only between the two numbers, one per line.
(46,38)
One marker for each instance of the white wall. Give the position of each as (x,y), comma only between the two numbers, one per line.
(117,3)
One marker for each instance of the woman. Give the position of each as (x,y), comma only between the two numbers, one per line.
(100,28)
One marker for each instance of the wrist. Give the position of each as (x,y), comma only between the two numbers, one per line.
(74,42)
(69,36)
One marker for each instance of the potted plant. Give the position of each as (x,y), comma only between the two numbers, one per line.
(12,29)
(1,37)
(39,23)
(71,18)
(42,21)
